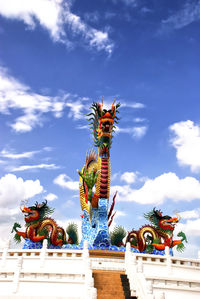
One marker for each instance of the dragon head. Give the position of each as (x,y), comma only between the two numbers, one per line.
(102,124)
(163,222)
(37,212)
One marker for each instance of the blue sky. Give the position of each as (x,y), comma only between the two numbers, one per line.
(56,58)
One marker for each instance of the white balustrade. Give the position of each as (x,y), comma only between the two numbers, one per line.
(150,276)
(162,277)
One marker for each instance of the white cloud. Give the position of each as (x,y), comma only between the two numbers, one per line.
(190,214)
(135,132)
(139,132)
(96,39)
(26,123)
(134,105)
(48,13)
(66,182)
(191,228)
(120,214)
(190,251)
(9,212)
(15,95)
(127,2)
(76,108)
(185,16)
(128,177)
(14,189)
(31,167)
(192,234)
(83,127)
(5,230)
(158,190)
(115,176)
(186,141)
(51,197)
(54,15)
(92,17)
(145,10)
(10,155)
(139,120)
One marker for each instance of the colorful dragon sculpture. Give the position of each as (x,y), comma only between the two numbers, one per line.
(158,235)
(97,170)
(96,218)
(39,226)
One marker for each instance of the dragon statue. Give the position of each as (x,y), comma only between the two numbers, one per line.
(158,235)
(39,226)
(96,171)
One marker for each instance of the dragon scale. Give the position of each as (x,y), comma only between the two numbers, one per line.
(38,226)
(102,124)
(161,232)
(103,180)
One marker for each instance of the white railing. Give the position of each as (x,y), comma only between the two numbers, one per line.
(90,291)
(134,271)
(150,276)
(156,276)
(64,268)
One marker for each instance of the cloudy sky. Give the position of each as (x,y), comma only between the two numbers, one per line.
(56,58)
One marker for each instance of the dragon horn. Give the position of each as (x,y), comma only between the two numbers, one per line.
(117,106)
(23,202)
(44,203)
(158,213)
(178,217)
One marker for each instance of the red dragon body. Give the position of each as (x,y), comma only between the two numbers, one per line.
(40,227)
(156,236)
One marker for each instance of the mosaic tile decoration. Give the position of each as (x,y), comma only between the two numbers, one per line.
(96,232)
(31,245)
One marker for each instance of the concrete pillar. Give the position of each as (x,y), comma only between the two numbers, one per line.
(128,247)
(140,267)
(127,258)
(149,287)
(90,291)
(167,251)
(5,251)
(85,250)
(43,253)
(168,260)
(17,274)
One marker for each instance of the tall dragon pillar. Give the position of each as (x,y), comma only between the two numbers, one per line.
(96,173)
